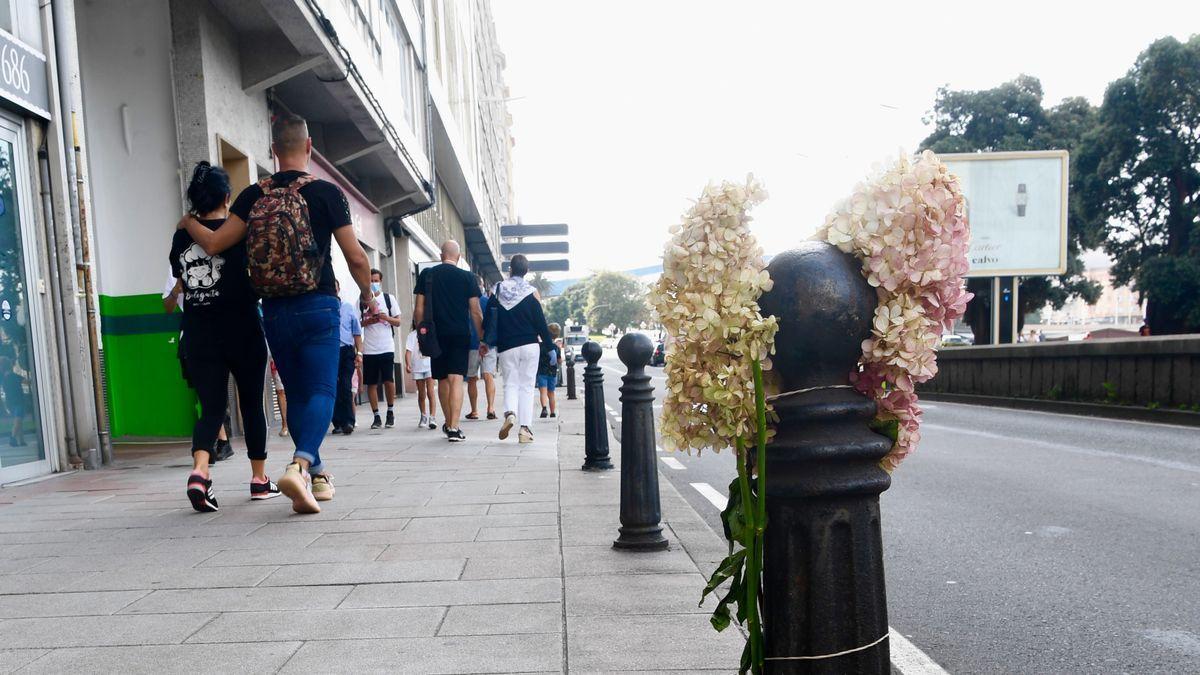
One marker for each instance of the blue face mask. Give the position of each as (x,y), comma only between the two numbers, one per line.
(376,287)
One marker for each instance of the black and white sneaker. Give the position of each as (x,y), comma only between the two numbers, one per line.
(390,420)
(455,435)
(265,490)
(200,494)
(336,429)
(377,423)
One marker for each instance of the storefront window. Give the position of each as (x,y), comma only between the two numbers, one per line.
(20,420)
(20,19)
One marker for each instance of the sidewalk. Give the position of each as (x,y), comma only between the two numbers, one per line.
(479,557)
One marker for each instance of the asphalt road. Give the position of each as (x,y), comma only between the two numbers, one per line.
(1022,542)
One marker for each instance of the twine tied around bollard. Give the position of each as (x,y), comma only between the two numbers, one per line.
(828,656)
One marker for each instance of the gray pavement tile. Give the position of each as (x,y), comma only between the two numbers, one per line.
(147,578)
(301,527)
(250,658)
(21,584)
(65,604)
(596,533)
(12,660)
(443,593)
(419,535)
(69,548)
(275,555)
(503,619)
(201,548)
(638,643)
(378,512)
(490,499)
(460,654)
(486,487)
(515,533)
(524,507)
(325,624)
(591,560)
(525,548)
(81,561)
(629,594)
(14,565)
(513,568)
(87,631)
(366,573)
(263,599)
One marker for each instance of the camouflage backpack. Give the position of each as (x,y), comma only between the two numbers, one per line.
(283,256)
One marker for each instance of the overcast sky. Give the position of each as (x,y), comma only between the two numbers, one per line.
(623,110)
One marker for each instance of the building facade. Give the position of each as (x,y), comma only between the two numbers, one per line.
(405,104)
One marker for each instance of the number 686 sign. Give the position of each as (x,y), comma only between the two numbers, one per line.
(23,76)
(12,69)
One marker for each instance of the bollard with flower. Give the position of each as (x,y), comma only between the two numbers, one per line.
(908,227)
(707,299)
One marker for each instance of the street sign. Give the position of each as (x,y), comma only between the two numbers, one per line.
(1017,207)
(535,247)
(556,265)
(551,230)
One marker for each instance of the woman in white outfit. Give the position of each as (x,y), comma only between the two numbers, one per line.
(518,324)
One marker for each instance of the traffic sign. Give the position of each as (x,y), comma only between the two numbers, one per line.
(556,265)
(550,230)
(535,247)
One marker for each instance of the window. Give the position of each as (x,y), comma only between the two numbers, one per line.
(20,19)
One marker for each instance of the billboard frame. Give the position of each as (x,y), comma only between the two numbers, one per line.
(1064,205)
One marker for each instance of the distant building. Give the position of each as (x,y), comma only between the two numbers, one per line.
(1118,306)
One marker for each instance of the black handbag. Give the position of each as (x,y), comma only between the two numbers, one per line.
(491,327)
(426,331)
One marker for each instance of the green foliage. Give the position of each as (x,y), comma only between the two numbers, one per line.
(572,304)
(1110,392)
(1012,117)
(1055,393)
(1142,162)
(1153,405)
(540,282)
(616,298)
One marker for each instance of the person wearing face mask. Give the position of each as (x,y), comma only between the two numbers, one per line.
(379,350)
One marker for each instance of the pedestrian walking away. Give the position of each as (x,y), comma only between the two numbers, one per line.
(224,336)
(280,393)
(547,377)
(520,324)
(481,367)
(289,221)
(418,364)
(379,351)
(448,297)
(350,339)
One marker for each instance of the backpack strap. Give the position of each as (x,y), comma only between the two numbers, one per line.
(387,301)
(301,181)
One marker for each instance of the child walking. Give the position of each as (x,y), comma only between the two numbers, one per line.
(419,366)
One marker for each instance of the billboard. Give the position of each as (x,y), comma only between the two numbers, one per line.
(1017,207)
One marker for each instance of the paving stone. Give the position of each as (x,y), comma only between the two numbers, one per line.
(80,562)
(21,584)
(240,599)
(294,556)
(524,548)
(378,512)
(515,533)
(65,604)
(443,593)
(503,619)
(328,624)
(366,573)
(199,577)
(513,568)
(592,560)
(250,658)
(14,565)
(524,507)
(629,594)
(313,529)
(637,643)
(86,631)
(460,654)
(12,660)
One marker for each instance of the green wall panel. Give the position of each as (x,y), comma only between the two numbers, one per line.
(146,392)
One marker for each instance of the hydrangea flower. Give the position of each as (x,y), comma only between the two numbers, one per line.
(707,300)
(907,224)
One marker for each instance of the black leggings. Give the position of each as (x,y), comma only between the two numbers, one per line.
(214,351)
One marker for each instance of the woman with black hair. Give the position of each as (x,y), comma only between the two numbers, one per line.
(224,336)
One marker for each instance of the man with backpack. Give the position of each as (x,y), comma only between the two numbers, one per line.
(289,222)
(379,351)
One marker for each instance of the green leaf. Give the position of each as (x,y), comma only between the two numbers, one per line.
(732,564)
(746,660)
(889,428)
(733,518)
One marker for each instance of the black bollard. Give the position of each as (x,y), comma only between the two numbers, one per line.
(641,512)
(571,379)
(595,422)
(823,584)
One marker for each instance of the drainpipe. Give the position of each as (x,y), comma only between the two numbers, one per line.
(59,298)
(71,96)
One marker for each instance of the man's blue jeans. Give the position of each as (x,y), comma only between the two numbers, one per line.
(302,332)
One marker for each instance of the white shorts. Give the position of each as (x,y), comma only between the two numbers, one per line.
(477,367)
(419,375)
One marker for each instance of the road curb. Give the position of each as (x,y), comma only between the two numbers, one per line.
(1118,412)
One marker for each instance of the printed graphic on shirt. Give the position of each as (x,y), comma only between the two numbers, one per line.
(201,272)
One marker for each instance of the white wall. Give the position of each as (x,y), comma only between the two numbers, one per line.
(243,121)
(125,58)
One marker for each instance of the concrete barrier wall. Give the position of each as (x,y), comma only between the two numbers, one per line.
(1138,371)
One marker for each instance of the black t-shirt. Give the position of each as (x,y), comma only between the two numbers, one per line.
(450,308)
(216,286)
(327,211)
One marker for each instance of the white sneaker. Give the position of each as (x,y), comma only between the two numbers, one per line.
(509,420)
(432,422)
(423,422)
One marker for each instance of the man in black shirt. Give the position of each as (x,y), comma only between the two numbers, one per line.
(449,297)
(302,329)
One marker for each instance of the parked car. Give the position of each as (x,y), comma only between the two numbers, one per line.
(659,358)
(955,340)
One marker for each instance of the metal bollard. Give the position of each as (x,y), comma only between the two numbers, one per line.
(641,511)
(595,423)
(571,379)
(823,584)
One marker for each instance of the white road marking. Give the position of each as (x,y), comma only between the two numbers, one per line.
(909,660)
(710,493)
(673,463)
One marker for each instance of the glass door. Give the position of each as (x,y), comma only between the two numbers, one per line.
(23,451)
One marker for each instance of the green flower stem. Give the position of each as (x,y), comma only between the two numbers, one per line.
(760,505)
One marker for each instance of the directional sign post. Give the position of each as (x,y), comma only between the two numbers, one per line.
(522,247)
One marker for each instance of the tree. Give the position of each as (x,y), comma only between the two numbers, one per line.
(616,298)
(571,305)
(540,282)
(1142,168)
(1012,117)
